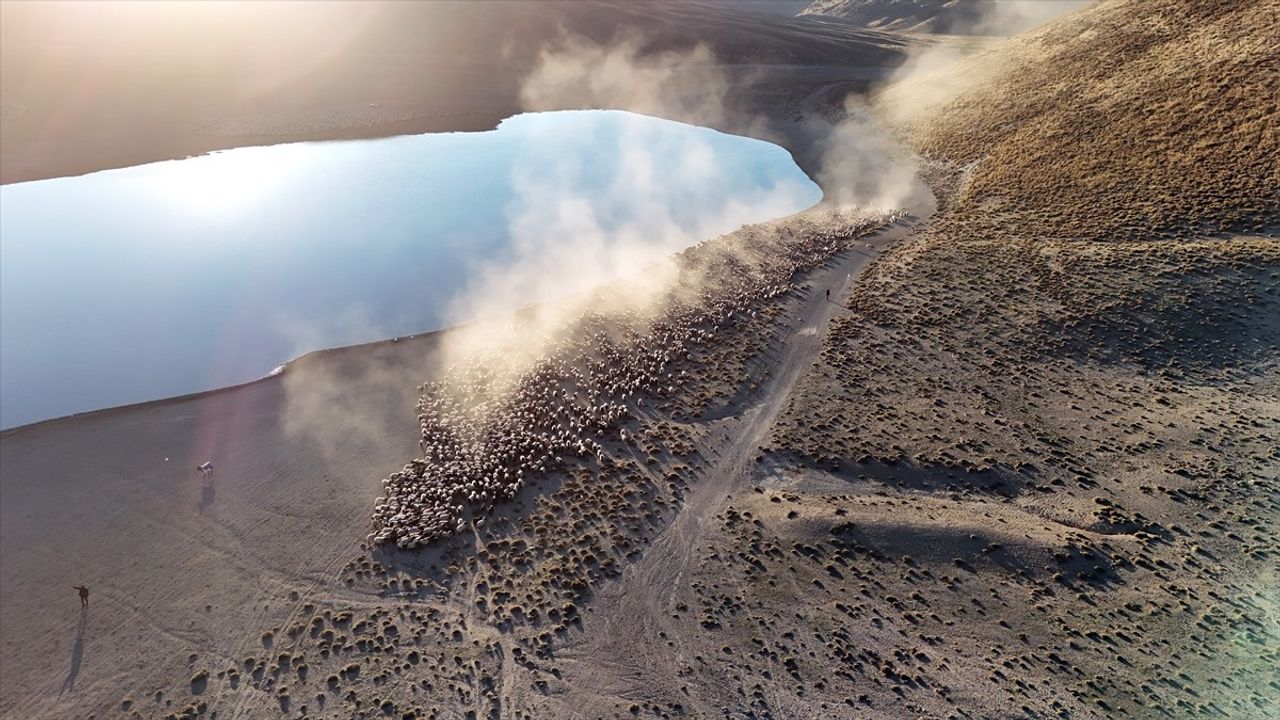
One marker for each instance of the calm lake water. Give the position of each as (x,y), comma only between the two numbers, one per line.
(146,282)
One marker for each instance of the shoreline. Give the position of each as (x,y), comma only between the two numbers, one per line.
(445,123)
(330,353)
(275,374)
(784,142)
(776,128)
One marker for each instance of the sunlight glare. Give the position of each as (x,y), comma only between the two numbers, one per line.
(225,182)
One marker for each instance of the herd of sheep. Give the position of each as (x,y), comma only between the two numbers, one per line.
(484,437)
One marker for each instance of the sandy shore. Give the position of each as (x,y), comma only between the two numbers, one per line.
(113,500)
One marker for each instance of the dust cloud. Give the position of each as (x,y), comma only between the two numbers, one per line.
(352,325)
(928,80)
(684,85)
(564,245)
(561,243)
(570,232)
(865,167)
(1010,17)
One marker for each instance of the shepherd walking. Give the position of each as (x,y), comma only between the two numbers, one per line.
(84,595)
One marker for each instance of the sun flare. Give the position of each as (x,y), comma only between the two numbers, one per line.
(223,182)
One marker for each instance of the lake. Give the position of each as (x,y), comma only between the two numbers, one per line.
(146,282)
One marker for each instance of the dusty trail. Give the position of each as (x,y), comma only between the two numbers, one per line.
(630,617)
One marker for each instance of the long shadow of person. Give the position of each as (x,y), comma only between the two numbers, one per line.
(206,497)
(77,653)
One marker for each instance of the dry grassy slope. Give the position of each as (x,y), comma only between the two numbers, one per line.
(1067,344)
(1132,118)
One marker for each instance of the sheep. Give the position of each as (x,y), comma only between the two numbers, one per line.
(479,449)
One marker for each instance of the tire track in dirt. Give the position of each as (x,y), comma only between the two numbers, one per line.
(646,592)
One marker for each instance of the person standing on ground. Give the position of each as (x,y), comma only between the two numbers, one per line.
(828,294)
(84,595)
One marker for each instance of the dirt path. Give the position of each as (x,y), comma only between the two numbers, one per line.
(633,617)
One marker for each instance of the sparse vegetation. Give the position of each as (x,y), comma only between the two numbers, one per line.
(1023,463)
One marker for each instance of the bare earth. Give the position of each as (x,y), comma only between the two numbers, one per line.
(1021,463)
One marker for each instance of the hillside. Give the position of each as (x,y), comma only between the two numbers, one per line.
(1007,452)
(95,86)
(1081,343)
(1105,126)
